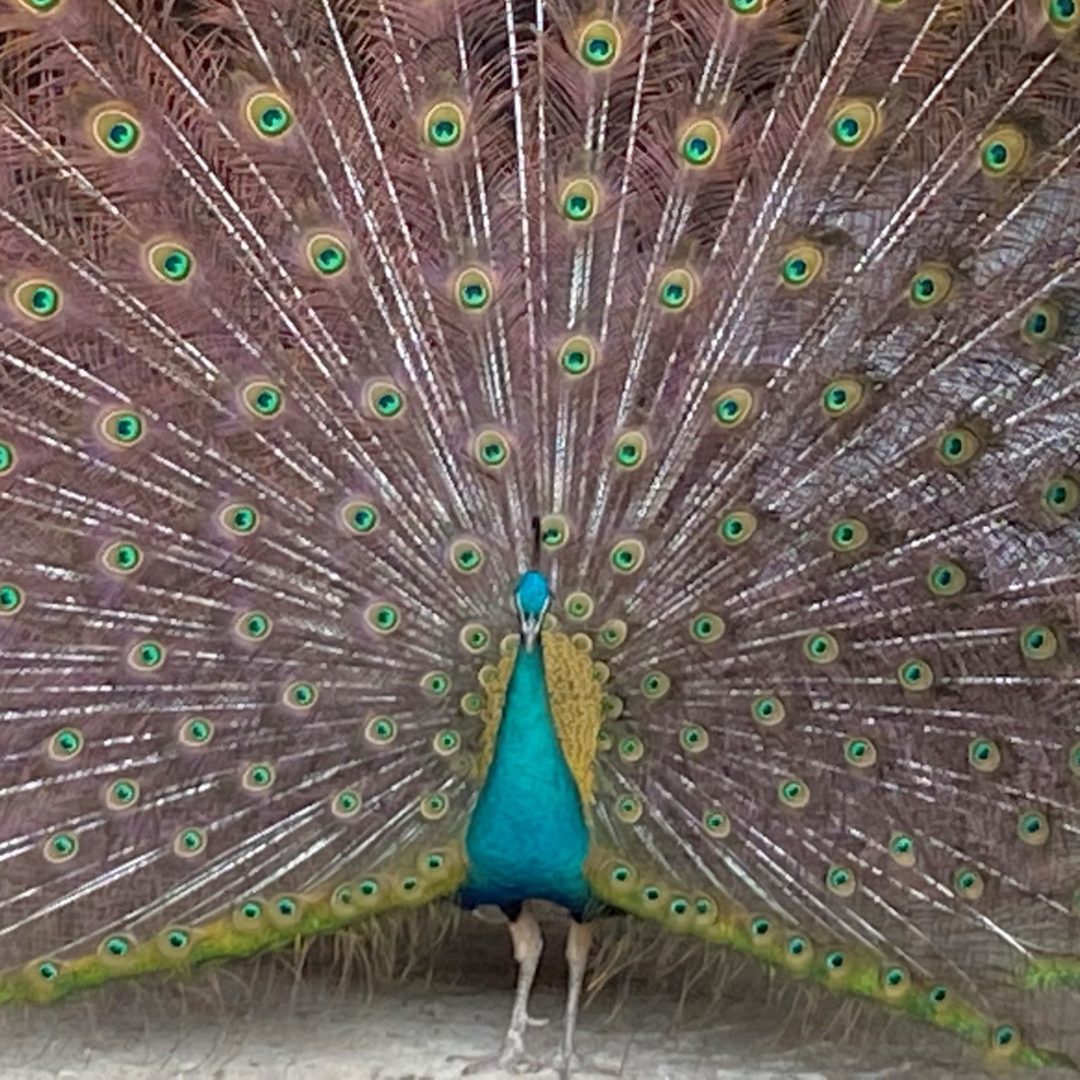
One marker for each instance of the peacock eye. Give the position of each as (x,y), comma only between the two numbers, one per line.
(491,449)
(444,126)
(599,44)
(577,356)
(381,730)
(627,556)
(820,648)
(1062,15)
(579,606)
(146,655)
(676,289)
(239,519)
(326,254)
(12,599)
(579,200)
(259,777)
(359,516)
(115,130)
(801,265)
(794,793)
(915,675)
(717,823)
(930,285)
(384,400)
(262,399)
(253,625)
(1003,150)
(854,123)
(346,804)
(736,527)
(707,627)
(733,406)
(37,298)
(860,752)
(268,114)
(700,144)
(768,710)
(842,396)
(170,262)
(300,695)
(473,290)
(848,534)
(631,449)
(466,556)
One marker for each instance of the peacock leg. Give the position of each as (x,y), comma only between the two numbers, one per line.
(578,943)
(528,944)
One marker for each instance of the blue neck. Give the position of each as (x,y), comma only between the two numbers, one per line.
(527,837)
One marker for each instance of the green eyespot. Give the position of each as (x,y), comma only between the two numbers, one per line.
(326,254)
(577,356)
(466,556)
(631,749)
(474,637)
(902,849)
(121,557)
(259,777)
(613,633)
(860,752)
(383,617)
(1061,495)
(1038,642)
(380,730)
(170,262)
(733,406)
(984,755)
(384,400)
(360,517)
(1003,150)
(434,806)
(801,265)
(121,428)
(491,449)
(598,44)
(146,655)
(121,794)
(8,458)
(628,809)
(1062,15)
(189,842)
(627,556)
(854,123)
(930,285)
(446,742)
(693,738)
(736,527)
(946,578)
(115,130)
(262,399)
(473,290)
(37,298)
(848,535)
(116,948)
(820,648)
(1033,828)
(436,683)
(968,883)
(554,532)
(631,449)
(707,627)
(579,201)
(767,710)
(793,793)
(12,599)
(957,446)
(60,847)
(268,114)
(916,675)
(300,695)
(676,289)
(841,396)
(41,7)
(239,519)
(700,143)
(840,881)
(65,744)
(579,606)
(444,126)
(346,804)
(717,823)
(746,7)
(195,732)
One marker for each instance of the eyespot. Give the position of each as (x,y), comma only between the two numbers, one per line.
(612,706)
(693,738)
(38,299)
(472,703)
(66,744)
(436,683)
(434,806)
(475,637)
(895,982)
(707,627)
(937,995)
(860,752)
(631,449)
(717,823)
(801,265)
(747,7)
(579,606)
(793,793)
(554,532)
(577,356)
(930,285)
(115,130)
(60,847)
(915,675)
(700,144)
(239,519)
(622,877)
(1002,150)
(848,535)
(1061,495)
(736,527)
(840,881)
(326,254)
(946,578)
(444,126)
(473,290)
(385,401)
(346,804)
(8,458)
(968,883)
(760,930)
(116,948)
(627,556)
(41,7)
(121,557)
(466,556)
(259,777)
(146,655)
(1062,15)
(195,732)
(768,710)
(1033,828)
(957,446)
(1074,759)
(268,114)
(1038,642)
(300,695)
(733,406)
(902,849)
(799,952)
(121,428)
(170,262)
(12,599)
(446,742)
(284,911)
(359,516)
(262,399)
(676,289)
(854,123)
(842,396)
(613,633)
(383,618)
(1006,1038)
(834,962)
(579,201)
(599,44)
(984,755)
(121,794)
(628,809)
(380,730)
(631,749)
(820,648)
(491,449)
(189,842)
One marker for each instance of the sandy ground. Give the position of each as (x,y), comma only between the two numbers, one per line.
(255,1022)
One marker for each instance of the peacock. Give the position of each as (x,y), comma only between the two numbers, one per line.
(464,454)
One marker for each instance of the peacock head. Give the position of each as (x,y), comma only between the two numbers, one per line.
(533,598)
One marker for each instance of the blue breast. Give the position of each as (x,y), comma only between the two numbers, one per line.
(527,837)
